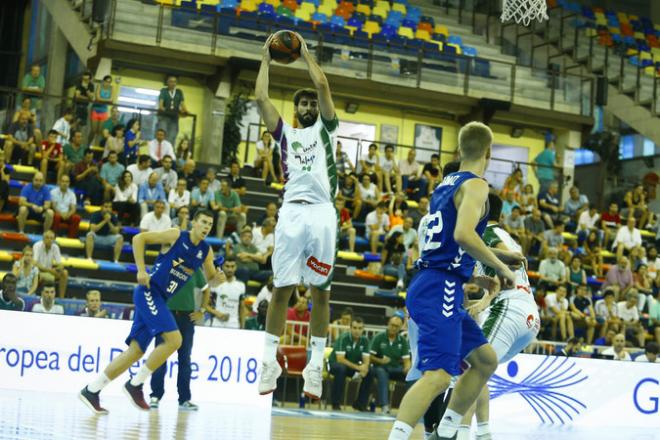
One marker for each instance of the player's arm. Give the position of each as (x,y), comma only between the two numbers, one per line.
(509,257)
(268,112)
(141,240)
(215,275)
(326,105)
(474,195)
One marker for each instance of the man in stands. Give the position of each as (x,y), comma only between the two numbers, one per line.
(554,237)
(93,306)
(111,171)
(377,224)
(629,313)
(74,151)
(190,174)
(607,312)
(47,302)
(544,164)
(346,229)
(431,173)
(617,350)
(409,234)
(34,203)
(19,145)
(104,231)
(619,277)
(263,237)
(296,334)
(151,192)
(182,219)
(141,170)
(514,224)
(534,231)
(201,196)
(228,207)
(5,177)
(64,207)
(48,260)
(159,148)
(8,298)
(610,222)
(228,310)
(558,309)
(628,238)
(248,258)
(509,203)
(410,176)
(237,183)
(549,204)
(390,356)
(157,220)
(587,222)
(62,127)
(350,358)
(168,177)
(390,170)
(421,210)
(575,205)
(582,311)
(86,175)
(635,201)
(51,153)
(258,321)
(650,353)
(552,271)
(171,105)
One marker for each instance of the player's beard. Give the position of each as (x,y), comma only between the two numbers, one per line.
(308,119)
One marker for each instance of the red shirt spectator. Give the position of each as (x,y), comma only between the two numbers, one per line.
(299,312)
(611,218)
(55,153)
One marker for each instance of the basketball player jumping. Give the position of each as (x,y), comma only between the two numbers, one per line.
(447,334)
(306,232)
(187,252)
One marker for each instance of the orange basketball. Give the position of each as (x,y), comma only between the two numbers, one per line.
(284,47)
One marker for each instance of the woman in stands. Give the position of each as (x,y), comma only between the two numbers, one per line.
(592,249)
(102,98)
(264,160)
(115,142)
(132,140)
(125,202)
(528,199)
(27,273)
(642,281)
(183,152)
(575,274)
(513,184)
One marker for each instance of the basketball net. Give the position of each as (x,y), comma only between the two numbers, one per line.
(524,11)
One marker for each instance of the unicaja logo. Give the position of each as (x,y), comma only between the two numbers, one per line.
(544,389)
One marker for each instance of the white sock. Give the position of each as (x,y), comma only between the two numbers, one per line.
(318,351)
(270,347)
(483,428)
(400,431)
(427,435)
(463,432)
(99,383)
(141,376)
(449,423)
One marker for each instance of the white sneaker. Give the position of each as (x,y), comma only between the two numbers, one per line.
(313,377)
(270,371)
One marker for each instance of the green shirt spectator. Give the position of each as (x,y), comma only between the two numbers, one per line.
(247,249)
(184,300)
(396,349)
(228,201)
(254,324)
(8,298)
(353,351)
(74,152)
(33,81)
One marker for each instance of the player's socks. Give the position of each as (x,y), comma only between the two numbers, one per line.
(270,347)
(483,430)
(463,432)
(99,383)
(427,435)
(318,351)
(449,424)
(400,431)
(141,376)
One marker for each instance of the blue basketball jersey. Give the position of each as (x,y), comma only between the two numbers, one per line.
(175,267)
(439,249)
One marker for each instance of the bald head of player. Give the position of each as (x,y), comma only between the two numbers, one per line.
(474,143)
(306,103)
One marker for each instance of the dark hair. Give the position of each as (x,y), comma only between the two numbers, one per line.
(107,200)
(516,207)
(117,127)
(557,223)
(372,145)
(67,111)
(235,162)
(161,129)
(229,259)
(121,182)
(382,204)
(143,158)
(389,147)
(167,156)
(451,167)
(347,311)
(87,73)
(651,347)
(171,75)
(608,292)
(131,123)
(48,284)
(494,207)
(205,212)
(435,156)
(9,276)
(304,93)
(53,132)
(107,77)
(358,320)
(113,152)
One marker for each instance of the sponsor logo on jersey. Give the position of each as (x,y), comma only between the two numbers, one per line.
(199,255)
(318,267)
(177,265)
(450,180)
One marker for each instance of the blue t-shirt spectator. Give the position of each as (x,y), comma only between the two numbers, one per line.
(204,199)
(146,192)
(97,218)
(35,196)
(111,173)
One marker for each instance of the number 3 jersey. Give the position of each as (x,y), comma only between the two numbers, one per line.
(439,250)
(308,160)
(175,267)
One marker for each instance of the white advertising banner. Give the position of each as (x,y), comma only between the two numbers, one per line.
(57,353)
(586,393)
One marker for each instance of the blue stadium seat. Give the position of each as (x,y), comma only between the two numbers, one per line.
(321,18)
(265,8)
(469,51)
(359,16)
(481,68)
(338,21)
(455,39)
(409,23)
(354,22)
(284,21)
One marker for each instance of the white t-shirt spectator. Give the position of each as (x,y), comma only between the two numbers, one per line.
(62,126)
(150,223)
(264,294)
(165,150)
(368,193)
(44,257)
(176,201)
(610,352)
(629,239)
(627,314)
(128,194)
(552,301)
(642,358)
(228,300)
(167,178)
(55,310)
(139,176)
(406,168)
(553,271)
(262,243)
(372,219)
(387,164)
(587,220)
(603,312)
(62,202)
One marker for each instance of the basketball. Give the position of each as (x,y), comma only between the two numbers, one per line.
(285,47)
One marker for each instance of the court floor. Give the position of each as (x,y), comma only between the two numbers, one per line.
(34,416)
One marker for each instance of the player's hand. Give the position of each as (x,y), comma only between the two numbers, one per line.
(508,279)
(513,259)
(491,284)
(265,50)
(143,278)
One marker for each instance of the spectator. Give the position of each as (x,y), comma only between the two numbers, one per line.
(421,211)
(635,201)
(398,208)
(5,177)
(508,204)
(108,126)
(171,104)
(409,234)
(248,258)
(182,219)
(87,178)
(389,170)
(8,298)
(264,157)
(654,317)
(189,173)
(74,151)
(151,192)
(258,321)
(552,271)
(558,310)
(62,127)
(411,178)
(83,95)
(575,204)
(115,142)
(105,232)
(370,164)
(271,212)
(350,357)
(214,183)
(592,250)
(343,164)
(93,307)
(341,325)
(535,232)
(544,166)
(582,311)
(30,113)
(141,170)
(432,174)
(652,260)
(102,98)
(156,220)
(183,152)
(377,224)
(392,258)
(26,272)
(607,339)
(228,205)
(47,302)
(619,277)
(588,221)
(111,172)
(554,237)
(132,140)
(263,237)
(629,313)
(51,155)
(513,185)
(350,193)
(34,204)
(160,147)
(64,207)
(20,146)
(390,355)
(610,222)
(628,238)
(228,310)
(297,333)
(33,84)
(528,201)
(575,274)
(369,194)
(180,196)
(650,354)
(549,204)
(265,294)
(572,348)
(617,350)
(201,197)
(607,313)
(641,280)
(125,201)
(346,230)
(514,224)
(237,183)
(167,176)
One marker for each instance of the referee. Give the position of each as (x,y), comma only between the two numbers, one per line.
(182,306)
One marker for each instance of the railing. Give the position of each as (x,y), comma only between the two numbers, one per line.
(409,62)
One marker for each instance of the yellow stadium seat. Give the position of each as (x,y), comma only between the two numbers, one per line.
(365,9)
(253,283)
(82,263)
(644,232)
(590,32)
(569,236)
(399,7)
(6,257)
(601,21)
(277,186)
(607,254)
(248,6)
(91,209)
(645,56)
(639,35)
(69,243)
(275,3)
(412,204)
(303,14)
(371,27)
(331,3)
(151,253)
(613,30)
(406,32)
(327,10)
(649,71)
(383,4)
(307,7)
(441,29)
(380,12)
(623,18)
(351,256)
(97,149)
(351,29)
(84,226)
(23,169)
(421,34)
(170,2)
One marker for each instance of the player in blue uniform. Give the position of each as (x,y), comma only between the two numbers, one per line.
(187,252)
(447,334)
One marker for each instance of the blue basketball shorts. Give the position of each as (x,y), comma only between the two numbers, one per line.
(446,334)
(151,317)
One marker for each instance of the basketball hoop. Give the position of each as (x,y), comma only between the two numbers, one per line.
(524,11)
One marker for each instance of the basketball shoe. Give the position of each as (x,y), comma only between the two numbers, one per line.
(270,371)
(313,378)
(92,401)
